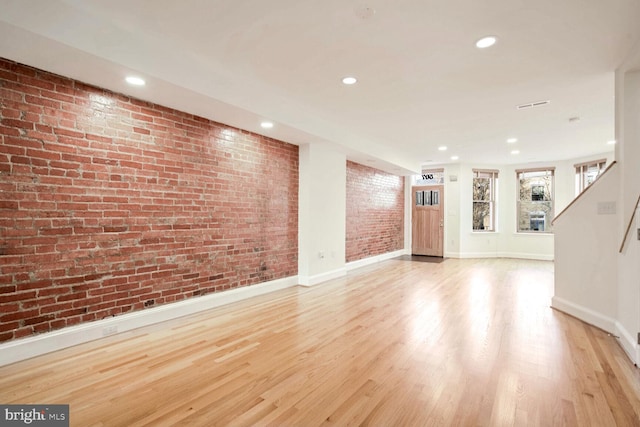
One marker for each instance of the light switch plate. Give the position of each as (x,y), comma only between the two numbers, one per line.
(606,208)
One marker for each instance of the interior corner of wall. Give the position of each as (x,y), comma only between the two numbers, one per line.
(628,343)
(584,314)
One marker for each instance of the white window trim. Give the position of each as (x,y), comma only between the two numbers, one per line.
(553,199)
(492,203)
(581,168)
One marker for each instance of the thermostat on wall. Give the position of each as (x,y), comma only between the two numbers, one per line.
(453,178)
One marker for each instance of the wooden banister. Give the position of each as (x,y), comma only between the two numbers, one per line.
(579,196)
(626,233)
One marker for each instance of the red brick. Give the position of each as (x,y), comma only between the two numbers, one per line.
(116,221)
(7,336)
(381,230)
(23,332)
(54,308)
(17,124)
(49,155)
(40,83)
(36,320)
(57,290)
(39,284)
(20,315)
(9,326)
(69,133)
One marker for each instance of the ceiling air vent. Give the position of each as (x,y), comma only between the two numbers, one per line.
(532,105)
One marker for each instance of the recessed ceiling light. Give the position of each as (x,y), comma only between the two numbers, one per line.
(454,157)
(135,81)
(512,140)
(266,125)
(442,148)
(514,152)
(486,42)
(349,80)
(612,142)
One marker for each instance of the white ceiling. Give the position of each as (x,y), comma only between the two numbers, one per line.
(422,82)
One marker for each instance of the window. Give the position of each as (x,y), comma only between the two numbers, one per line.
(427,198)
(484,200)
(535,200)
(586,173)
(429,177)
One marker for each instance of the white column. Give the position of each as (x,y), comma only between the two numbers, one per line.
(628,155)
(322,214)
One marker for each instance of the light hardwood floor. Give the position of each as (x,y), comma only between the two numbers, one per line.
(463,342)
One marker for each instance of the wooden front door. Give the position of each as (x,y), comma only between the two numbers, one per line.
(427,220)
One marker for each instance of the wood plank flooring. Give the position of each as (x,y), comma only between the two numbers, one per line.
(463,342)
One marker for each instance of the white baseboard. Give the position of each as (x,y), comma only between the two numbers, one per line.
(472,255)
(628,343)
(626,340)
(585,314)
(341,272)
(25,348)
(376,259)
(309,281)
(524,255)
(513,255)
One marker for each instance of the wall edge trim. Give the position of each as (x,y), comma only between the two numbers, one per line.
(628,343)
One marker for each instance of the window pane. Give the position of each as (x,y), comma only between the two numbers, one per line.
(482,216)
(535,216)
(481,189)
(587,173)
(536,189)
(484,196)
(435,197)
(535,204)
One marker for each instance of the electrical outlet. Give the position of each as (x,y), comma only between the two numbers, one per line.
(321,254)
(109,330)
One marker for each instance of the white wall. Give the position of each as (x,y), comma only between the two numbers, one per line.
(586,243)
(322,219)
(453,218)
(628,155)
(480,244)
(595,281)
(462,242)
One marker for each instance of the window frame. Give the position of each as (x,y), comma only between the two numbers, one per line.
(492,175)
(521,174)
(437,179)
(583,168)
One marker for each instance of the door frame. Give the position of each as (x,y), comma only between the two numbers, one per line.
(442,202)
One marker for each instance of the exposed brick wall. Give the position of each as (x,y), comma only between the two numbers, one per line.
(375,212)
(110,204)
